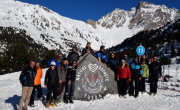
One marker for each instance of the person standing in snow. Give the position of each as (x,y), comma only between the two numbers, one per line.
(57,59)
(37,84)
(88,49)
(123,75)
(27,81)
(73,56)
(101,55)
(113,64)
(145,74)
(71,76)
(154,74)
(51,83)
(62,74)
(136,73)
(128,61)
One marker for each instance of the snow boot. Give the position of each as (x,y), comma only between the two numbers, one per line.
(71,99)
(32,105)
(47,104)
(52,103)
(66,100)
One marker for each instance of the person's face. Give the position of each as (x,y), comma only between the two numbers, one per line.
(74,49)
(65,62)
(59,56)
(32,64)
(52,66)
(135,59)
(143,56)
(37,65)
(74,64)
(88,45)
(155,59)
(112,55)
(102,50)
(125,56)
(123,63)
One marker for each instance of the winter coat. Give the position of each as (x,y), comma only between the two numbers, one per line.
(55,60)
(84,51)
(155,69)
(72,56)
(51,77)
(113,64)
(128,61)
(145,69)
(62,72)
(37,80)
(123,73)
(102,56)
(71,73)
(27,76)
(136,70)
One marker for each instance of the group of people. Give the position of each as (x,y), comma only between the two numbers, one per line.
(61,75)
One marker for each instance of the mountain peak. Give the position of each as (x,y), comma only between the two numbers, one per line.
(142,4)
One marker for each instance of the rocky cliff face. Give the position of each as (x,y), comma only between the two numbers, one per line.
(146,16)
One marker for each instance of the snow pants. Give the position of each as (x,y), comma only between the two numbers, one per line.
(153,84)
(39,89)
(136,86)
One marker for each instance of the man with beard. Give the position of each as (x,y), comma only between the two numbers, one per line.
(73,56)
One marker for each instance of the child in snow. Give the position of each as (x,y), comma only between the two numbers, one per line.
(71,76)
(145,75)
(51,81)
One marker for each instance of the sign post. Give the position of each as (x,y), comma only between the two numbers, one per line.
(140,51)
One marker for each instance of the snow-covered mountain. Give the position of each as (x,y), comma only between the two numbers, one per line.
(47,27)
(53,31)
(121,24)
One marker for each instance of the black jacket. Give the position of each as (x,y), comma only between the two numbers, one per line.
(27,76)
(113,64)
(71,73)
(84,51)
(136,70)
(155,69)
(72,56)
(51,77)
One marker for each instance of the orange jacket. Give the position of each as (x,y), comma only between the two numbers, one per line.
(37,80)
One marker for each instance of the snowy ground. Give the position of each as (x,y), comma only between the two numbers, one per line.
(165,100)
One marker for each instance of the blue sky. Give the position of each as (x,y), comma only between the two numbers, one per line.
(94,9)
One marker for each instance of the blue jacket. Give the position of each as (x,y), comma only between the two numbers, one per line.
(128,61)
(55,60)
(27,76)
(136,70)
(102,56)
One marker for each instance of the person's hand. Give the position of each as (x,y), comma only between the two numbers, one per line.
(69,82)
(46,86)
(159,77)
(60,81)
(88,51)
(140,78)
(109,68)
(118,79)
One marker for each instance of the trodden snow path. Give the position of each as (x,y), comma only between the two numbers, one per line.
(10,94)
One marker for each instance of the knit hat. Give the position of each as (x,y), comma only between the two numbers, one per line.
(136,57)
(53,63)
(38,62)
(102,47)
(65,59)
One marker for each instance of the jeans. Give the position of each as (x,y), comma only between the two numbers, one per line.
(70,88)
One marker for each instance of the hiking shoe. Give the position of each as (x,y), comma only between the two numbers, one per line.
(52,103)
(57,102)
(32,105)
(154,94)
(131,94)
(151,93)
(47,104)
(136,96)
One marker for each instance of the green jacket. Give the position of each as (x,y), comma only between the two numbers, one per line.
(145,70)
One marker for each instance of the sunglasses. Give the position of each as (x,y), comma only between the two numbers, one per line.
(52,65)
(123,62)
(74,63)
(125,56)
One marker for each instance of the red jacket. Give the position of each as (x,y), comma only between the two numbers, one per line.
(123,73)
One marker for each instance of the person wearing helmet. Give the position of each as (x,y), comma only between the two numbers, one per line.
(101,55)
(51,81)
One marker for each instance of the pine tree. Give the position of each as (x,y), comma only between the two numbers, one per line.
(49,56)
